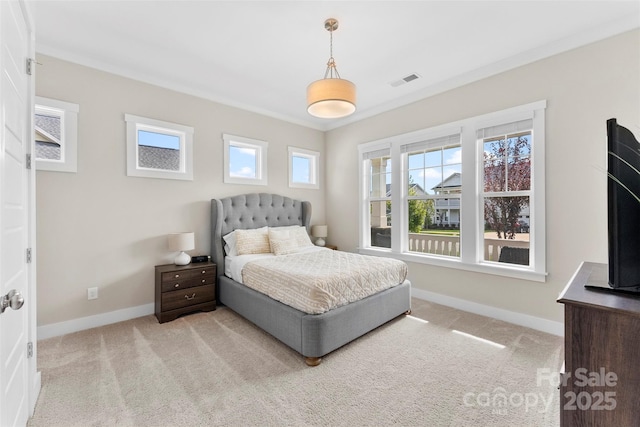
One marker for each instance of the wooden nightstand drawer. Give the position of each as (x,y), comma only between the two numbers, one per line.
(183,289)
(187,297)
(181,283)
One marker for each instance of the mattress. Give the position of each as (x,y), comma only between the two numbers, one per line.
(317,281)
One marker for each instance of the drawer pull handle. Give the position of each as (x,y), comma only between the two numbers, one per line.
(177,275)
(190,297)
(177,285)
(204,280)
(204,271)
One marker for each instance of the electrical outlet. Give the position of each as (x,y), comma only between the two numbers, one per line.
(92,293)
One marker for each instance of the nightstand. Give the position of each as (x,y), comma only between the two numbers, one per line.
(182,289)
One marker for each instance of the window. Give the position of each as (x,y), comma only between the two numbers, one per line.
(157,149)
(434,179)
(378,198)
(303,168)
(467,195)
(56,135)
(506,193)
(245,160)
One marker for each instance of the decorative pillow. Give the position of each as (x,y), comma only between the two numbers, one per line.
(287,240)
(254,241)
(301,236)
(282,242)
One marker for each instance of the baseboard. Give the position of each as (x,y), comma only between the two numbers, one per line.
(75,325)
(544,325)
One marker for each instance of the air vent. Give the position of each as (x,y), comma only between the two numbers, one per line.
(407,79)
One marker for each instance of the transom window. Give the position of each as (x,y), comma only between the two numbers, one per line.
(56,135)
(245,160)
(460,195)
(158,149)
(303,168)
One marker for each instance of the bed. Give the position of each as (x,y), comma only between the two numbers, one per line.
(311,335)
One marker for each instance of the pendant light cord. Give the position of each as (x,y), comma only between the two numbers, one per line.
(331,64)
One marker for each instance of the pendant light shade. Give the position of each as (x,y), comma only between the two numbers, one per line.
(331,97)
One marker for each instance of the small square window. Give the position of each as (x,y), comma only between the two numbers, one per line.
(245,160)
(303,168)
(157,149)
(56,135)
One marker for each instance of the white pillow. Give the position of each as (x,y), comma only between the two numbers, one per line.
(301,236)
(254,241)
(230,244)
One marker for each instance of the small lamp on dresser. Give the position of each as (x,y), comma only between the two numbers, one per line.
(181,242)
(319,231)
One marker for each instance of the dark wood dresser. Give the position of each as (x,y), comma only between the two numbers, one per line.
(600,385)
(182,289)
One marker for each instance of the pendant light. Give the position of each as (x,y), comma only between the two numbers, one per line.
(331,97)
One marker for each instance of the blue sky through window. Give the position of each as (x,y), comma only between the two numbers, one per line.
(160,140)
(242,162)
(431,168)
(302,170)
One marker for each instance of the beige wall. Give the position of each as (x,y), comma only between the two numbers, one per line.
(583,87)
(98,227)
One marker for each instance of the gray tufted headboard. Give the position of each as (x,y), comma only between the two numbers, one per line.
(252,211)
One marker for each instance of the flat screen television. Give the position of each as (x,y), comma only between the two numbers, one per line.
(623,198)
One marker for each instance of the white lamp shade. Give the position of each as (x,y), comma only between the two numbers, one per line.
(319,231)
(181,242)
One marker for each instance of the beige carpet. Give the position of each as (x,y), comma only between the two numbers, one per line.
(215,368)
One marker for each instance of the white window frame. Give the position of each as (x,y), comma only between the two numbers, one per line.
(377,150)
(68,113)
(314,160)
(185,133)
(260,148)
(472,226)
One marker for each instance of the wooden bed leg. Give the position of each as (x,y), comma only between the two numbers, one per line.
(312,361)
(408,312)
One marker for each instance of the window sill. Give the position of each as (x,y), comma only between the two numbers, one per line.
(486,268)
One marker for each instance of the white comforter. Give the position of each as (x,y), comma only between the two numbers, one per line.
(317,281)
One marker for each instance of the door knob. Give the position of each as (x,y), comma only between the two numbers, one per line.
(12,299)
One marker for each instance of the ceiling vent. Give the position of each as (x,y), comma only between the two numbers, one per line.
(407,79)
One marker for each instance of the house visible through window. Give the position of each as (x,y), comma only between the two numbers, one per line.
(378,198)
(48,126)
(56,130)
(158,149)
(303,168)
(434,178)
(461,195)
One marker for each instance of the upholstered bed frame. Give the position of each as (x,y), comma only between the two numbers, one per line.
(312,335)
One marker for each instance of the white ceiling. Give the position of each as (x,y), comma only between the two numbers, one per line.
(261,55)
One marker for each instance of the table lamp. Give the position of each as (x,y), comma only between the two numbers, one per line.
(181,242)
(319,231)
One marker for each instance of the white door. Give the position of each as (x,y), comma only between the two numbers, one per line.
(15,197)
